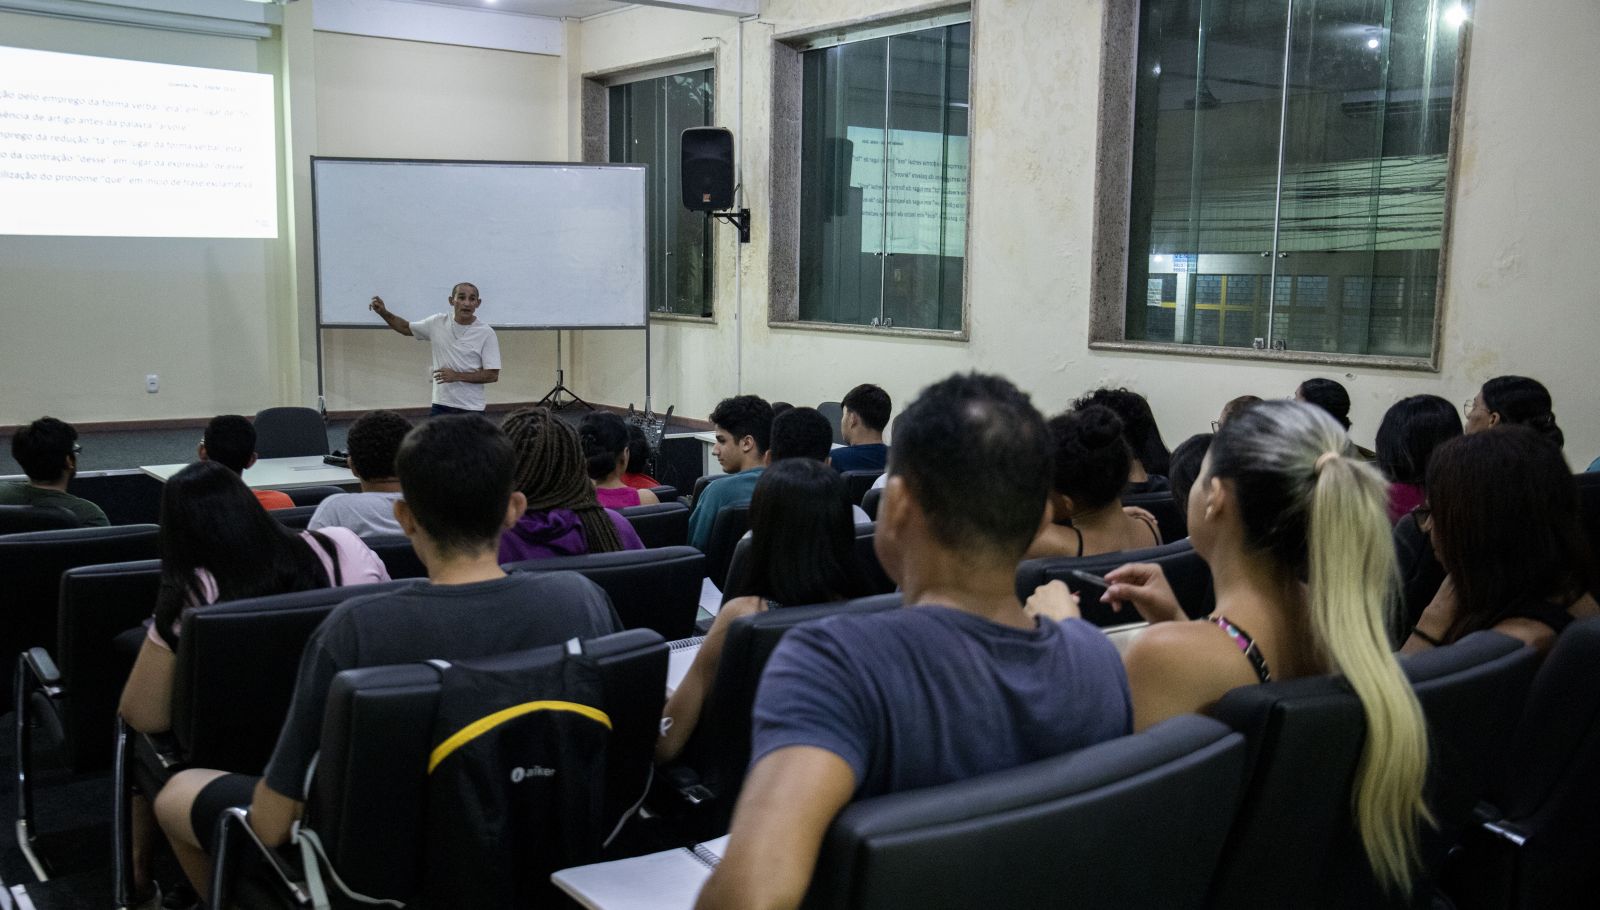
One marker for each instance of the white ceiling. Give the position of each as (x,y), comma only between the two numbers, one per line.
(554,9)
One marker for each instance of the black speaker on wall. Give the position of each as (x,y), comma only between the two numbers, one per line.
(707,170)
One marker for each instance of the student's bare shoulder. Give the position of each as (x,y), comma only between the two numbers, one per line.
(1193,654)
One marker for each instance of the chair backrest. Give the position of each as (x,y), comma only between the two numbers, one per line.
(398,556)
(665,492)
(97,603)
(700,485)
(665,524)
(857,483)
(1188,574)
(22,519)
(1071,830)
(730,524)
(651,589)
(719,749)
(834,411)
(31,565)
(296,517)
(287,432)
(1170,517)
(368,799)
(866,558)
(236,666)
(311,496)
(1473,693)
(1589,506)
(869,502)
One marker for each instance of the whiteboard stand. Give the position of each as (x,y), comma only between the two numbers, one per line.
(552,398)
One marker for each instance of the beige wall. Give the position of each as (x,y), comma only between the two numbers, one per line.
(381,98)
(1517,290)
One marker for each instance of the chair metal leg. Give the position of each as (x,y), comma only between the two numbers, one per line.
(121,820)
(24,725)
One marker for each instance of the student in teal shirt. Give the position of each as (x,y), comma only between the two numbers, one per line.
(744,430)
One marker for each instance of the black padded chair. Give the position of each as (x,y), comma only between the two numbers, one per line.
(297,517)
(311,496)
(287,432)
(1589,506)
(398,556)
(700,486)
(711,768)
(31,565)
(857,483)
(1420,577)
(665,492)
(1170,517)
(1188,574)
(232,682)
(834,411)
(665,524)
(650,589)
(22,519)
(368,798)
(869,502)
(730,524)
(1540,831)
(68,697)
(1074,830)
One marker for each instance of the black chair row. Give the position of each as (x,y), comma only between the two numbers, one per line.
(22,519)
(1188,574)
(665,524)
(878,582)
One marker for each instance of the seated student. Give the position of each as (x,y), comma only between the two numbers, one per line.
(1091,468)
(604,437)
(1502,516)
(1514,399)
(1411,429)
(47,450)
(1331,396)
(217,543)
(802,552)
(1233,407)
(457,475)
(374,440)
(1148,473)
(563,518)
(805,433)
(1186,461)
(230,441)
(843,709)
(744,430)
(638,460)
(866,413)
(1292,524)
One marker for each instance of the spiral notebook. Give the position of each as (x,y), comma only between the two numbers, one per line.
(669,880)
(680,656)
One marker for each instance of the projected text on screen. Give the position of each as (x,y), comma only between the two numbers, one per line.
(924,191)
(92,146)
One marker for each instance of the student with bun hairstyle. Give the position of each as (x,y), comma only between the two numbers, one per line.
(1151,459)
(1502,516)
(1514,399)
(604,437)
(1293,526)
(1091,468)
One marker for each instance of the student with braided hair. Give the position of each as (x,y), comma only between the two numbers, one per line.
(563,517)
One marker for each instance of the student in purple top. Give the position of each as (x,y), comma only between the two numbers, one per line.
(842,710)
(563,517)
(607,452)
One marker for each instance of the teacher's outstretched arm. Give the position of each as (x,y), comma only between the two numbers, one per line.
(397,323)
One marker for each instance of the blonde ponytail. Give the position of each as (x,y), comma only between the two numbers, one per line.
(1351,580)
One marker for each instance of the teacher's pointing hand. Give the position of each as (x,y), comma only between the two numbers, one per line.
(377,306)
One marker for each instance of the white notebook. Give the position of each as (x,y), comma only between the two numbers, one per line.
(680,656)
(669,880)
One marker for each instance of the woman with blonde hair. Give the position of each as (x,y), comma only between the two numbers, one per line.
(1293,525)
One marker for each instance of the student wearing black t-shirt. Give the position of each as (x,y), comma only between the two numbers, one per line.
(456,476)
(842,710)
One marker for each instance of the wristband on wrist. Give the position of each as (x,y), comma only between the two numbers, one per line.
(1417,631)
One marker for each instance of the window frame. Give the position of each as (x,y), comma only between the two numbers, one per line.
(596,142)
(1108,284)
(783,273)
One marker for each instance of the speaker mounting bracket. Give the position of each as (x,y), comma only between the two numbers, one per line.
(739,219)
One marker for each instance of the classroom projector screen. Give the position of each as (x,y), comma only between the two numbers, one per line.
(97,147)
(548,245)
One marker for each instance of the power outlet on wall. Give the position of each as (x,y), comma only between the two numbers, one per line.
(152,383)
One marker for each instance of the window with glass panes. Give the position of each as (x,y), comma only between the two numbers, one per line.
(1289,173)
(648,118)
(883,179)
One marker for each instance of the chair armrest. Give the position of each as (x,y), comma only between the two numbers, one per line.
(237,843)
(163,747)
(685,781)
(41,667)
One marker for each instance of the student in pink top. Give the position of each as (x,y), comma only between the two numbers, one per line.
(605,449)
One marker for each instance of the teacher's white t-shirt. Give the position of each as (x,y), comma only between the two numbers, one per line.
(459,347)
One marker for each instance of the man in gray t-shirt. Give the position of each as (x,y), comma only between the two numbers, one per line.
(374,441)
(456,476)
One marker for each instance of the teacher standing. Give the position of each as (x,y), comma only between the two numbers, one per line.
(466,353)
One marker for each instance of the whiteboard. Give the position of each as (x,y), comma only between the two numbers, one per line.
(548,245)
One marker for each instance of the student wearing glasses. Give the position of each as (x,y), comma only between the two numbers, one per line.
(47,450)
